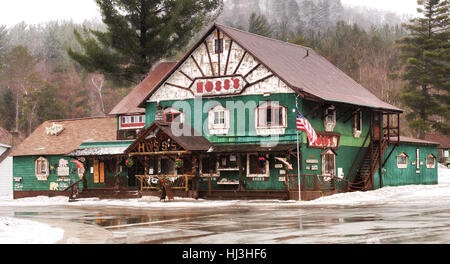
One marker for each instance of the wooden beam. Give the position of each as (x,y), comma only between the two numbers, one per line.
(209,57)
(260,80)
(252,70)
(159,153)
(240,62)
(198,66)
(314,109)
(187,76)
(228,57)
(218,53)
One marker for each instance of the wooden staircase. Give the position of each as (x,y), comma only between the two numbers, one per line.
(372,159)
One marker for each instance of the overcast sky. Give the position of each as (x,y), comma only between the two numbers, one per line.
(36,11)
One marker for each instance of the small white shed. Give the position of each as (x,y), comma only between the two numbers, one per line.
(6,172)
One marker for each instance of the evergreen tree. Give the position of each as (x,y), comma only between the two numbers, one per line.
(258,25)
(425,57)
(139,33)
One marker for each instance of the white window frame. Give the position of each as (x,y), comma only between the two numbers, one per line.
(219,129)
(429,165)
(356,132)
(324,154)
(39,175)
(127,119)
(402,165)
(266,130)
(329,120)
(258,175)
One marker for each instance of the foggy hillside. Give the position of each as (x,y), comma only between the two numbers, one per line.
(305,15)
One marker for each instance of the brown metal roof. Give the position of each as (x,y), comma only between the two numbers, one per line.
(192,142)
(304,70)
(414,140)
(443,140)
(76,131)
(130,103)
(301,68)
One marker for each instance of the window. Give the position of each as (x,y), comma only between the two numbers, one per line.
(270,119)
(357,124)
(219,46)
(257,165)
(402,161)
(330,119)
(127,122)
(228,162)
(219,120)
(172,115)
(42,169)
(208,166)
(431,161)
(328,163)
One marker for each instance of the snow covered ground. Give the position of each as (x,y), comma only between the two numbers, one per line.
(401,194)
(21,231)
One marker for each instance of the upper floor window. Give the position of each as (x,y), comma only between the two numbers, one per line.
(357,124)
(219,45)
(329,120)
(172,115)
(219,122)
(271,114)
(129,122)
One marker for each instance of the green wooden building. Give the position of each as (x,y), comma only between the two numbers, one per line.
(221,123)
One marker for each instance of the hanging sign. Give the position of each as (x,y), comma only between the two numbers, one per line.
(325,140)
(218,86)
(157,145)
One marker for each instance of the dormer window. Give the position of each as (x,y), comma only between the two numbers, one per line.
(329,120)
(219,120)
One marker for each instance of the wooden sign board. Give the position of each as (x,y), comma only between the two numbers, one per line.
(326,140)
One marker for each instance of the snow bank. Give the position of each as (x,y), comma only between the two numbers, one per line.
(20,231)
(411,194)
(401,194)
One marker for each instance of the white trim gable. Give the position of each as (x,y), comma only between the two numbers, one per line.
(218,128)
(234,61)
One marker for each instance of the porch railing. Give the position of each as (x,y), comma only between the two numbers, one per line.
(175,182)
(312,182)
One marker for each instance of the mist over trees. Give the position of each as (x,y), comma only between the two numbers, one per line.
(52,85)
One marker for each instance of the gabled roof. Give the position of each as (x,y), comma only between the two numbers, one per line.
(414,141)
(130,103)
(191,142)
(75,132)
(443,140)
(301,68)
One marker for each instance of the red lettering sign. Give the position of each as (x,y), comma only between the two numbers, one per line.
(218,86)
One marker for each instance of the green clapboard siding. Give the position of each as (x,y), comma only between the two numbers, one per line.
(24,167)
(393,176)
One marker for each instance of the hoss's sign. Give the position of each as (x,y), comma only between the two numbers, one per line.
(218,86)
(326,140)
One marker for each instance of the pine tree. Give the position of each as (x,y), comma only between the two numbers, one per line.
(258,25)
(425,57)
(139,33)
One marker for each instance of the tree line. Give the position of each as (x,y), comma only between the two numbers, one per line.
(61,69)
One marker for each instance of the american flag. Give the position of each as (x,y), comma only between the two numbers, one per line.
(304,125)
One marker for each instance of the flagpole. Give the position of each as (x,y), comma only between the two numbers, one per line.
(298,157)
